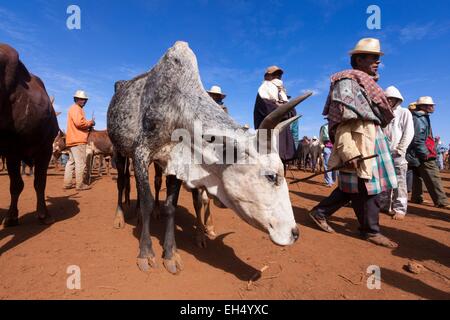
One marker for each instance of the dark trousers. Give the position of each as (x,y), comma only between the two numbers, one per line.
(366,207)
(409,178)
(428,172)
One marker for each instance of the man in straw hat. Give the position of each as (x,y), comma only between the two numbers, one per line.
(216,94)
(422,155)
(272,93)
(400,133)
(357,109)
(76,140)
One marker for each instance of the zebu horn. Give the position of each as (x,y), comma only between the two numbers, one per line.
(274,118)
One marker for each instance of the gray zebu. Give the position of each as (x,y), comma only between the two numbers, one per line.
(142,117)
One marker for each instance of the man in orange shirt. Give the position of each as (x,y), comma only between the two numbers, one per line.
(76,140)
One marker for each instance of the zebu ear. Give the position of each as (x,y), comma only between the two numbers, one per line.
(119,85)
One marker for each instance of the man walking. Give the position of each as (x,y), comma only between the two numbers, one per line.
(400,133)
(76,140)
(441,151)
(330,177)
(357,108)
(422,154)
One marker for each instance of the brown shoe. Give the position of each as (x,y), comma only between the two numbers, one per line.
(381,240)
(83,188)
(68,187)
(321,222)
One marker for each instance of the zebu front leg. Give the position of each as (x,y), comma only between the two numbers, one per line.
(172,260)
(146,258)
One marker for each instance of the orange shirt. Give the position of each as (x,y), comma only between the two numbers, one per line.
(77,127)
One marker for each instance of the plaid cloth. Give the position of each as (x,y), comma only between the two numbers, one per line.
(364,90)
(384,177)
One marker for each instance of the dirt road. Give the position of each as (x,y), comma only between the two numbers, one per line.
(34,258)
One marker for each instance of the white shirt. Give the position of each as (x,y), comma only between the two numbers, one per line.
(400,133)
(273,91)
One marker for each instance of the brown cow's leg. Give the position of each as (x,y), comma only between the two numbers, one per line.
(40,182)
(15,189)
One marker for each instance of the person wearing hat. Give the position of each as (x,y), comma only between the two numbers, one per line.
(216,94)
(78,128)
(422,156)
(399,133)
(357,110)
(330,177)
(270,95)
(441,151)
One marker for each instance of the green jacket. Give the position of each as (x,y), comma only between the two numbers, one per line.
(418,151)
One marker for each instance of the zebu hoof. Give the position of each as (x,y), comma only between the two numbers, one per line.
(11,222)
(46,220)
(174,265)
(211,232)
(200,238)
(119,220)
(145,264)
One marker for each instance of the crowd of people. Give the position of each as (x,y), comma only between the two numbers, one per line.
(382,149)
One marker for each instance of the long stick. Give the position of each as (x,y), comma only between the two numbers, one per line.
(333,169)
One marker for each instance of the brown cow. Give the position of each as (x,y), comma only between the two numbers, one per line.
(28,127)
(98,144)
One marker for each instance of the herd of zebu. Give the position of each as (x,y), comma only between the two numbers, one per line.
(142,117)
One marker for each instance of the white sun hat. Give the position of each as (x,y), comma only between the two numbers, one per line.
(425,100)
(369,46)
(393,92)
(80,94)
(217,90)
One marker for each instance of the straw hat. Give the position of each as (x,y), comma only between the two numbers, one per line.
(393,92)
(425,100)
(412,106)
(80,95)
(217,90)
(273,69)
(368,45)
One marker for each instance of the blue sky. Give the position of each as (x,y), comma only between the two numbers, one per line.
(234,41)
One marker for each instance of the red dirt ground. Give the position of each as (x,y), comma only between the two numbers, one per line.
(34,258)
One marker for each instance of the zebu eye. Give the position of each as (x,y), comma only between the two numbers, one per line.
(272,178)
